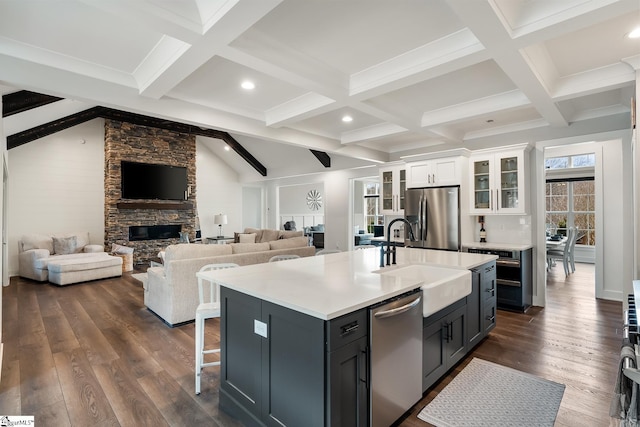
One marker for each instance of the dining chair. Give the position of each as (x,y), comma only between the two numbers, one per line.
(328,251)
(562,254)
(208,308)
(365,247)
(572,260)
(276,258)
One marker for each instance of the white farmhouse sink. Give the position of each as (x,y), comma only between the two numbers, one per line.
(441,286)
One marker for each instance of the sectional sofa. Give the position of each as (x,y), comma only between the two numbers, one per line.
(65,258)
(171,291)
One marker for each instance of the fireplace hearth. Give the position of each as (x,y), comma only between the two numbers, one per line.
(154,232)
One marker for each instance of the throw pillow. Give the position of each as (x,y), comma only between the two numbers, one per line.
(269,235)
(64,245)
(247,238)
(119,249)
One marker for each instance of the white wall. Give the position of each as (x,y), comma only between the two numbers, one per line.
(218,190)
(292,200)
(358,205)
(336,202)
(57,185)
(252,206)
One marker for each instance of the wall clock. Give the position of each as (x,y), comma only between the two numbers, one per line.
(314,200)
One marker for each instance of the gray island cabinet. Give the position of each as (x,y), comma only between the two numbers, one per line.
(278,377)
(295,335)
(452,332)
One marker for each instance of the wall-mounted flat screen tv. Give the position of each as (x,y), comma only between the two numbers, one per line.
(153,182)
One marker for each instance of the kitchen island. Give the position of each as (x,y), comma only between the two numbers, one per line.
(294,334)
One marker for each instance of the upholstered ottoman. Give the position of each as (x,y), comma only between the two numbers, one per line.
(67,271)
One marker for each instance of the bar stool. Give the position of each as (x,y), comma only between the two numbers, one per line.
(208,308)
(277,258)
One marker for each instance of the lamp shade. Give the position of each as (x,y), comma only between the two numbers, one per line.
(220,219)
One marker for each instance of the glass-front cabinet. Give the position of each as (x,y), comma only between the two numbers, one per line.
(393,185)
(498,183)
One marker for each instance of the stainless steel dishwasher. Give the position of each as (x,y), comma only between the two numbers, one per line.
(396,357)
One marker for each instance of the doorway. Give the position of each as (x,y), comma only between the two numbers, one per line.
(572,188)
(365,215)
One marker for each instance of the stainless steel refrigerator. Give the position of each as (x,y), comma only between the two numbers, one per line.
(434,214)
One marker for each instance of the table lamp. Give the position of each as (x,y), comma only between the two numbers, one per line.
(220,219)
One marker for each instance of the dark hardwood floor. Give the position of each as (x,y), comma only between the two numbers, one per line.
(92,355)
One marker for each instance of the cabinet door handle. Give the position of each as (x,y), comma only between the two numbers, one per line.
(450,331)
(362,368)
(491,318)
(445,331)
(491,291)
(497,203)
(433,178)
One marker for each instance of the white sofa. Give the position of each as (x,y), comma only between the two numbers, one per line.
(65,258)
(171,291)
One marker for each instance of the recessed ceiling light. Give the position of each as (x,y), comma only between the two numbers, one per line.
(248,85)
(347,119)
(634,34)
(226,148)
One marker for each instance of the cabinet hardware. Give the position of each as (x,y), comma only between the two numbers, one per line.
(491,290)
(491,318)
(362,367)
(445,331)
(344,330)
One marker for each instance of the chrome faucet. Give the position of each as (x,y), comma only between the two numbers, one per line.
(388,251)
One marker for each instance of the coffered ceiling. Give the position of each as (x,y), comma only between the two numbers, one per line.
(414,75)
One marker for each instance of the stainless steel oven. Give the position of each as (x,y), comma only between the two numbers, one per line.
(513,277)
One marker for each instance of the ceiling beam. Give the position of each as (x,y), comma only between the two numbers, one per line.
(52,127)
(322,157)
(24,100)
(21,138)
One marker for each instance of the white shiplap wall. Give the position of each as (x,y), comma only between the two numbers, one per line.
(57,185)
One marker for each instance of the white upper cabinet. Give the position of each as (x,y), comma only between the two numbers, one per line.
(498,182)
(393,183)
(435,172)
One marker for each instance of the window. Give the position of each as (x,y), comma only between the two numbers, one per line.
(565,162)
(572,204)
(372,214)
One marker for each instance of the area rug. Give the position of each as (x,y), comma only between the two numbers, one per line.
(486,394)
(141,277)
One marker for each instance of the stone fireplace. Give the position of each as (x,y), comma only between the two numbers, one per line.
(130,142)
(154,232)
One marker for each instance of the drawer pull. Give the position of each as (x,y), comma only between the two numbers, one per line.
(491,318)
(351,327)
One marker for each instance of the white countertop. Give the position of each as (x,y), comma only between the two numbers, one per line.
(332,285)
(497,246)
